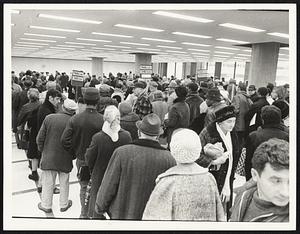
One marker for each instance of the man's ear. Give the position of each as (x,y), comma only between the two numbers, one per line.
(254,174)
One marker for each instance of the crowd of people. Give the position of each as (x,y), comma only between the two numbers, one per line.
(156,149)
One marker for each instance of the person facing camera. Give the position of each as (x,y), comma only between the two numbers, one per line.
(176,195)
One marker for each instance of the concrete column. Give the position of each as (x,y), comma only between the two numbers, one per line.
(162,69)
(97,66)
(247,70)
(155,68)
(171,69)
(193,69)
(141,59)
(263,63)
(218,67)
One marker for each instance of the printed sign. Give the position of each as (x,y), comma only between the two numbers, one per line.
(77,78)
(145,71)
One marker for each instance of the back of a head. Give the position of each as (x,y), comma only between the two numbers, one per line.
(33,94)
(51,85)
(53,93)
(280,91)
(192,86)
(110,113)
(270,86)
(181,91)
(271,115)
(242,86)
(263,91)
(274,151)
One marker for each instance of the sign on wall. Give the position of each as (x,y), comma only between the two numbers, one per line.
(77,78)
(146,71)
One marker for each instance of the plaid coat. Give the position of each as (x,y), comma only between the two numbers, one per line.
(142,106)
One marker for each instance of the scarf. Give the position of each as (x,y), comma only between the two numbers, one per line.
(228,143)
(113,133)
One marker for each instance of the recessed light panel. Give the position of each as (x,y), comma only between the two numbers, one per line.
(199,50)
(133,43)
(195,44)
(148,49)
(111,35)
(226,48)
(221,52)
(241,27)
(183,17)
(113,46)
(190,35)
(56,17)
(30,39)
(157,39)
(54,29)
(31,43)
(78,43)
(170,47)
(87,39)
(247,55)
(138,27)
(173,51)
(232,40)
(72,46)
(43,35)
(284,35)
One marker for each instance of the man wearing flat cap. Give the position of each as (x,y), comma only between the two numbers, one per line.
(142,106)
(130,176)
(77,137)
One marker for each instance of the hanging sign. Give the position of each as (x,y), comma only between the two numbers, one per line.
(77,78)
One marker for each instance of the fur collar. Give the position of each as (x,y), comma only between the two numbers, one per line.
(148,143)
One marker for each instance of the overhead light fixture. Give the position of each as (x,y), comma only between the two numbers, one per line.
(72,46)
(87,39)
(283,54)
(99,48)
(31,43)
(200,53)
(137,51)
(113,46)
(233,41)
(221,52)
(277,34)
(226,48)
(184,17)
(132,43)
(241,27)
(173,51)
(43,35)
(148,49)
(78,43)
(24,48)
(55,29)
(199,50)
(15,11)
(61,48)
(12,24)
(284,48)
(31,46)
(157,39)
(110,34)
(30,39)
(240,57)
(247,50)
(139,28)
(190,35)
(56,17)
(170,47)
(247,55)
(221,56)
(195,44)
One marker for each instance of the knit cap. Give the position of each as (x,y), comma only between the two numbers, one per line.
(185,146)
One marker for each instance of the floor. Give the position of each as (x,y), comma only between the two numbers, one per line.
(26,198)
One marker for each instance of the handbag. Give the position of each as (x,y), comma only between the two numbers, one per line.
(84,173)
(24,137)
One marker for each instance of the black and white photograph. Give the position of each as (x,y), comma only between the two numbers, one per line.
(149,116)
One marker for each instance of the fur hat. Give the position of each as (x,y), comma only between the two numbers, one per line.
(150,125)
(185,146)
(140,84)
(124,108)
(225,113)
(214,94)
(91,94)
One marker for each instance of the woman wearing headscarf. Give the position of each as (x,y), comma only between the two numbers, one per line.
(221,152)
(179,113)
(100,151)
(186,191)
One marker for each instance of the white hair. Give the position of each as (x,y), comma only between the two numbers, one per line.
(110,113)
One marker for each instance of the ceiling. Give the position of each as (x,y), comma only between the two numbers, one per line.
(270,21)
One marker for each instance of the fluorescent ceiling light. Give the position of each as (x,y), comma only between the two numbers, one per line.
(221,52)
(31,43)
(24,48)
(240,57)
(170,47)
(148,49)
(43,35)
(173,51)
(226,48)
(12,24)
(138,27)
(200,53)
(190,35)
(279,34)
(247,55)
(137,51)
(283,54)
(241,27)
(132,43)
(156,39)
(231,40)
(69,19)
(61,48)
(221,56)
(31,46)
(199,50)
(87,39)
(72,46)
(195,44)
(15,11)
(55,29)
(98,48)
(184,17)
(284,48)
(247,50)
(110,34)
(113,46)
(77,43)
(30,39)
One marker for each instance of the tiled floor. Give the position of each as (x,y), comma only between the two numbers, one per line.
(26,198)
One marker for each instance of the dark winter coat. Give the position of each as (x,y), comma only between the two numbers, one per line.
(255,108)
(194,100)
(178,117)
(128,123)
(211,110)
(130,178)
(242,103)
(211,135)
(45,109)
(79,131)
(97,157)
(54,157)
(255,138)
